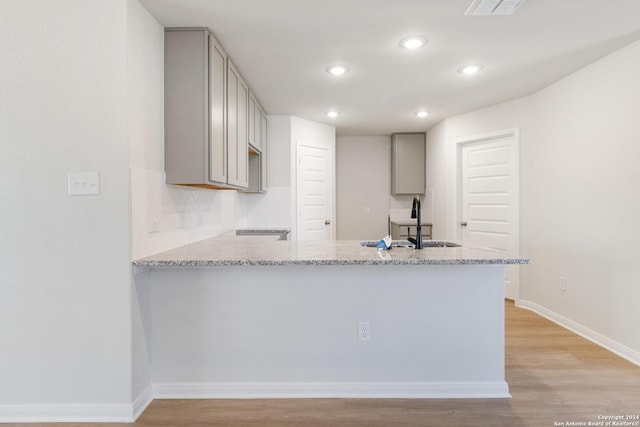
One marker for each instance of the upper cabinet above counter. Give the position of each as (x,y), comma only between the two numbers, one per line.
(257,147)
(408,173)
(211,116)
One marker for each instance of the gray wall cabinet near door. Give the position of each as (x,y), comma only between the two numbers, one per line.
(257,147)
(408,163)
(237,121)
(255,123)
(206,101)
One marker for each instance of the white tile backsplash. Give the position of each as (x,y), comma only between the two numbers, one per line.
(272,209)
(400,207)
(183,214)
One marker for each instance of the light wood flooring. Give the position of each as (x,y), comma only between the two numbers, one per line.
(554,377)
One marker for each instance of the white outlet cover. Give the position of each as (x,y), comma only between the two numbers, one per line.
(153,226)
(364,331)
(83,184)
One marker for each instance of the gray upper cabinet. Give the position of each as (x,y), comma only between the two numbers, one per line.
(258,159)
(255,123)
(408,163)
(206,114)
(218,119)
(252,119)
(237,127)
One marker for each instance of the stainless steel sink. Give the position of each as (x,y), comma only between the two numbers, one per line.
(439,244)
(408,244)
(394,244)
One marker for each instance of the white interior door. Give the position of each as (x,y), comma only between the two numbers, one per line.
(489,198)
(314,193)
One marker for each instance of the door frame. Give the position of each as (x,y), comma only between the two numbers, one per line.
(457,211)
(295,178)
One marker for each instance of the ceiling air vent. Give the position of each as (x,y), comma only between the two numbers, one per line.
(493,7)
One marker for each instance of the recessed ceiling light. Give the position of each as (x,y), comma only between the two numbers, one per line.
(422,114)
(470,69)
(337,70)
(333,114)
(413,42)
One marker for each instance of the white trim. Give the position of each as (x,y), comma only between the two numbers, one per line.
(65,413)
(141,402)
(621,350)
(485,137)
(129,413)
(457,180)
(329,149)
(405,390)
(77,413)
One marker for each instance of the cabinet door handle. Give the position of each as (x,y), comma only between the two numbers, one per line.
(327,222)
(463,223)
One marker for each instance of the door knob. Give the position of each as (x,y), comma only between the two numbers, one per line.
(463,223)
(327,222)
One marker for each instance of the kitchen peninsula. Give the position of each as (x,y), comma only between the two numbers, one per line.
(238,318)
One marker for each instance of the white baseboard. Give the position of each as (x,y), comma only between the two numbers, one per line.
(615,347)
(409,390)
(76,413)
(141,402)
(129,413)
(65,413)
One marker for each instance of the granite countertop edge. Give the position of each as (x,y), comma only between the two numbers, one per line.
(238,263)
(230,250)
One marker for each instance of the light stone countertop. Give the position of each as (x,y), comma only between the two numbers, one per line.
(228,250)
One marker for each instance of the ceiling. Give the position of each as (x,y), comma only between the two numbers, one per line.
(283,48)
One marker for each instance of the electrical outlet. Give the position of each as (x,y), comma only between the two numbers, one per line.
(83,184)
(364,331)
(563,284)
(153,226)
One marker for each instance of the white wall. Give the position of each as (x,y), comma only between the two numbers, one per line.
(363,178)
(290,331)
(363,165)
(278,206)
(65,323)
(581,206)
(578,149)
(439,163)
(145,96)
(442,154)
(273,208)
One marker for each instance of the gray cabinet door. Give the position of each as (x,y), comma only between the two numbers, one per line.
(237,127)
(255,123)
(258,161)
(243,135)
(254,133)
(408,163)
(217,111)
(186,106)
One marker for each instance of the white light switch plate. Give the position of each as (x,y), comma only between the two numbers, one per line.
(83,184)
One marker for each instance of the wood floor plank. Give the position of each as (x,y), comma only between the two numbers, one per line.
(554,376)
